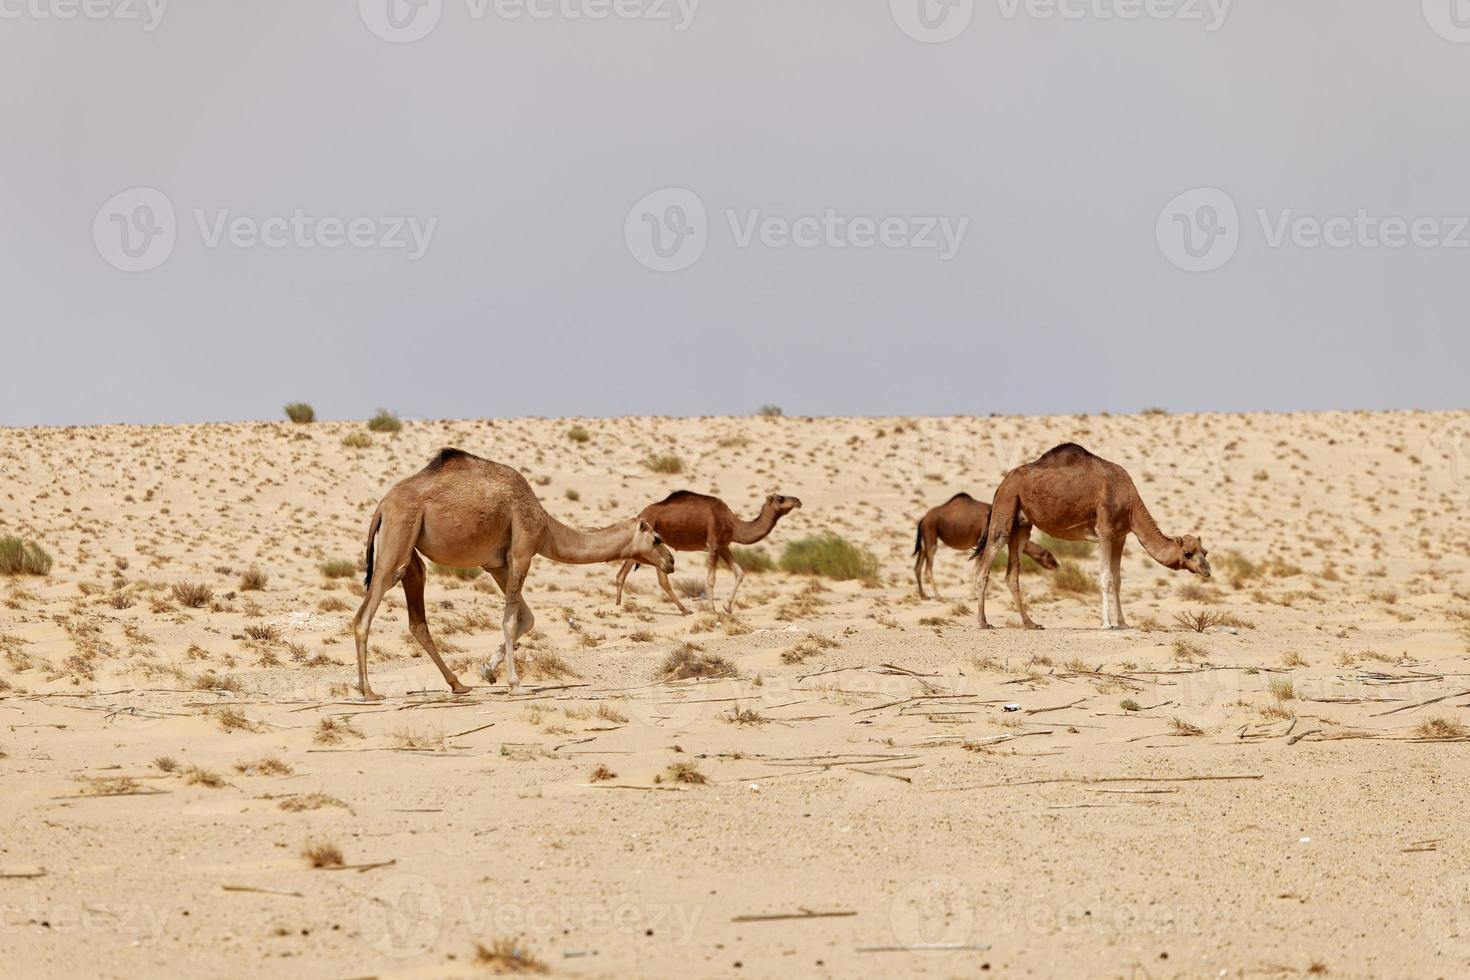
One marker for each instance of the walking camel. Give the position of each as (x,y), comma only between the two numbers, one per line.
(697,522)
(469,512)
(959,522)
(1071,494)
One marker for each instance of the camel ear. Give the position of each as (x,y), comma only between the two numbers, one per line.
(644,526)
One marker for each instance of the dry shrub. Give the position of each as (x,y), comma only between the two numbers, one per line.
(1179,726)
(266,766)
(547,665)
(1440,728)
(744,716)
(331,730)
(253,580)
(232,719)
(263,632)
(1282,689)
(321,854)
(687,772)
(1198,621)
(687,660)
(310,801)
(195,776)
(192,594)
(602,774)
(1069,577)
(666,463)
(507,956)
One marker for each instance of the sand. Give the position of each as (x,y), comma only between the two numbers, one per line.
(164,768)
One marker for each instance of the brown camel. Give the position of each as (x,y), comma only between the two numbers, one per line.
(467,512)
(1071,494)
(697,522)
(959,522)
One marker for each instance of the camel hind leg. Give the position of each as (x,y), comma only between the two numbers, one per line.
(418,623)
(735,569)
(1002,522)
(393,547)
(623,577)
(1017,542)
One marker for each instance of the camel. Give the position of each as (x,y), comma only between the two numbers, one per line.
(697,522)
(1071,494)
(467,512)
(959,522)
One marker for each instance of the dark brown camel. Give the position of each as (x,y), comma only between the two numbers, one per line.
(959,522)
(1071,494)
(697,522)
(467,512)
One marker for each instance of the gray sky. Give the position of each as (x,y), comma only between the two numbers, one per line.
(520,147)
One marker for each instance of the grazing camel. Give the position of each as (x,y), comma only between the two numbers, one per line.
(959,522)
(697,522)
(468,512)
(1071,494)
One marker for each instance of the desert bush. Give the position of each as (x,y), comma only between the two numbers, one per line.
(690,661)
(300,413)
(579,434)
(338,568)
(452,572)
(357,440)
(1069,577)
(829,555)
(664,463)
(19,557)
(253,580)
(770,412)
(385,421)
(192,594)
(753,559)
(1064,549)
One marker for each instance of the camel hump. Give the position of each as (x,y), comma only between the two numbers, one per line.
(449,455)
(679,495)
(959,496)
(1067,452)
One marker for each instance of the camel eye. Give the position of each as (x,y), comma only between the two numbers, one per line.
(1189,554)
(657,539)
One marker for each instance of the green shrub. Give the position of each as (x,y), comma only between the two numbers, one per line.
(770,411)
(357,440)
(829,555)
(385,421)
(19,557)
(1064,549)
(1069,577)
(338,568)
(753,559)
(579,434)
(300,412)
(664,463)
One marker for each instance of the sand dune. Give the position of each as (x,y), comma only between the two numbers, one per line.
(173,743)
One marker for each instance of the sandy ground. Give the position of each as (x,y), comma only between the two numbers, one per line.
(1260,799)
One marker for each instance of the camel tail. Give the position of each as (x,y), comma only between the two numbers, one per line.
(372,541)
(919,538)
(980,545)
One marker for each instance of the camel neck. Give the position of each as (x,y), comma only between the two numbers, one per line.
(576,547)
(749,532)
(1161,548)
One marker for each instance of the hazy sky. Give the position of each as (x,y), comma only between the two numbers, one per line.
(985,221)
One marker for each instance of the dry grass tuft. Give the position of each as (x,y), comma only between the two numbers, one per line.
(744,716)
(687,660)
(507,956)
(253,580)
(331,730)
(310,801)
(192,594)
(265,766)
(323,855)
(1200,621)
(1179,726)
(1440,727)
(602,774)
(1282,689)
(1069,577)
(687,772)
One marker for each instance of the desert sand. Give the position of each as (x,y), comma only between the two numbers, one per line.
(1282,794)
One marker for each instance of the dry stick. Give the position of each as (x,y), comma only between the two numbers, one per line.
(262,891)
(23,873)
(1102,779)
(800,914)
(890,775)
(1059,707)
(925,948)
(832,670)
(1421,704)
(362,867)
(472,731)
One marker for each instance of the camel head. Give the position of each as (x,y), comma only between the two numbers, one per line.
(1047,561)
(782,505)
(1192,556)
(649,549)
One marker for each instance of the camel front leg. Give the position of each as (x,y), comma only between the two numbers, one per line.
(668,587)
(516,623)
(982,578)
(1115,575)
(623,577)
(735,570)
(709,577)
(929,567)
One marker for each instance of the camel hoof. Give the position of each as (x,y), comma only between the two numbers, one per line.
(986,626)
(459,688)
(1035,626)
(487,674)
(514,690)
(370,696)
